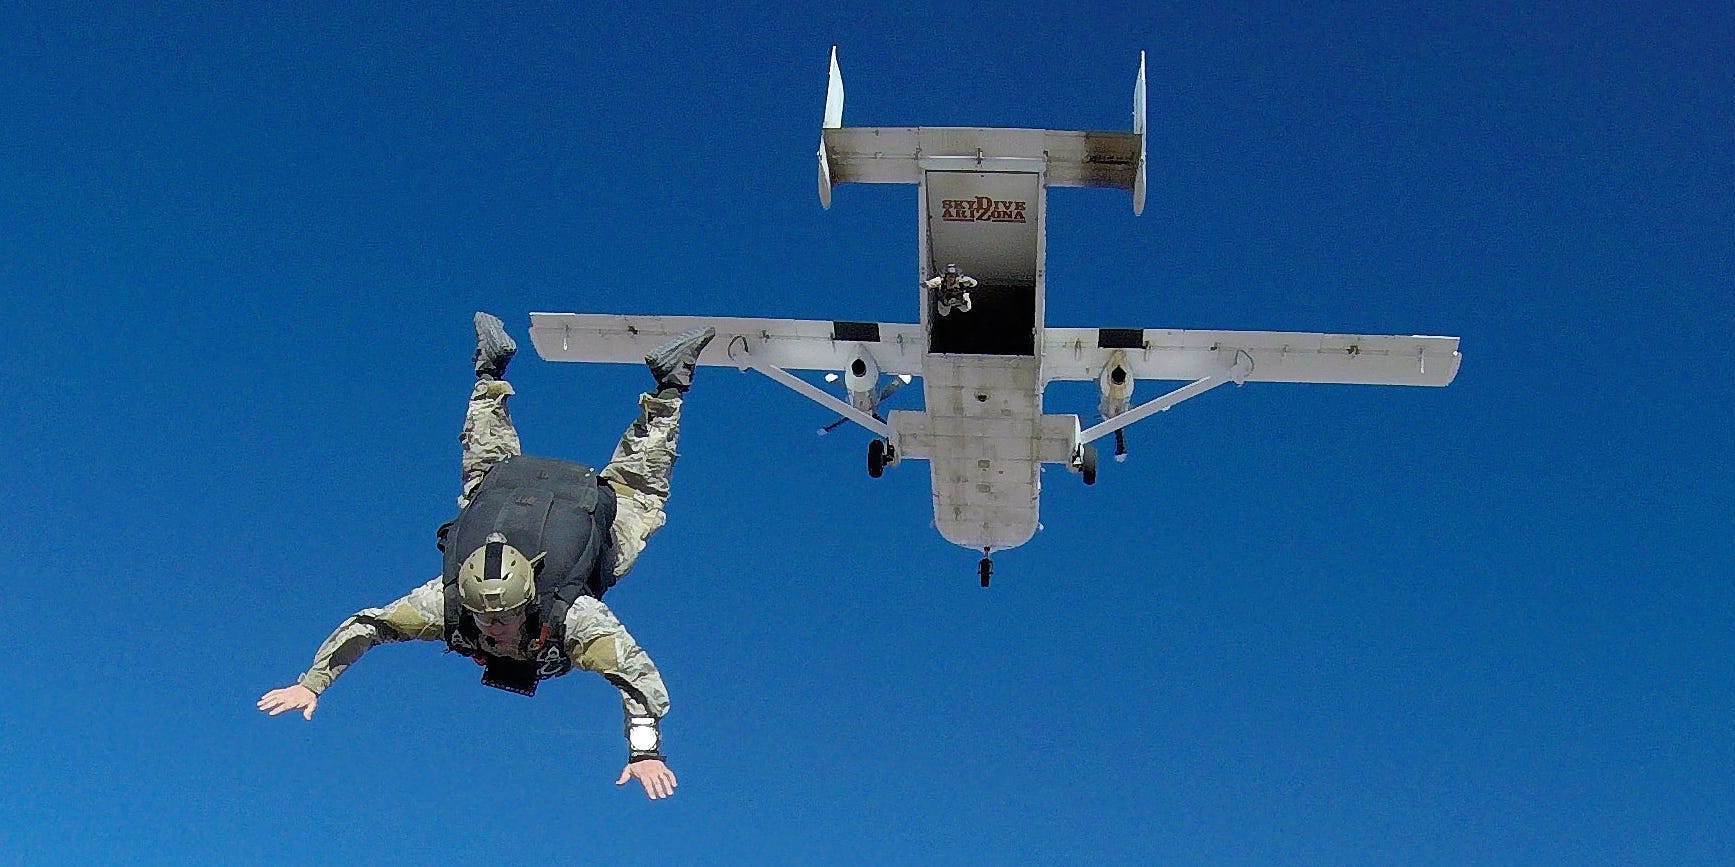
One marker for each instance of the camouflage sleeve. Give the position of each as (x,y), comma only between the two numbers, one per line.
(597,642)
(420,615)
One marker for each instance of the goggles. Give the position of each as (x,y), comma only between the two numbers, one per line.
(498,618)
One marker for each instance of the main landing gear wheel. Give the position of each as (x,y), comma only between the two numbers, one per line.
(878,455)
(985,569)
(1087,464)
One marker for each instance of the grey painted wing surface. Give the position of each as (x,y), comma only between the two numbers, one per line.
(798,344)
(1277,356)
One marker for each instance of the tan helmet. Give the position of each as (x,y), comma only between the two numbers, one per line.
(496,577)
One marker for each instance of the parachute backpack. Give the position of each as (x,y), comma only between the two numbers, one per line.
(559,510)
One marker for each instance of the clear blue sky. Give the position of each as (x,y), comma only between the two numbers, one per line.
(1488,624)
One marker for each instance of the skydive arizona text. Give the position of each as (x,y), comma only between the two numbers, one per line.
(981,209)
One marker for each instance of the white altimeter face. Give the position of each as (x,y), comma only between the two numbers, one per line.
(642,739)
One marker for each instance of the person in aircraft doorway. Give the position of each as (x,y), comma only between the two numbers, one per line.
(535,545)
(951,290)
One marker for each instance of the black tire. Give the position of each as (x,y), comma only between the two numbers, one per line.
(1087,465)
(985,569)
(876,458)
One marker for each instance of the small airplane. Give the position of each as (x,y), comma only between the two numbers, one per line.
(981,346)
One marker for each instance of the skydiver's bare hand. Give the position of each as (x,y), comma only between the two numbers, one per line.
(658,780)
(294,697)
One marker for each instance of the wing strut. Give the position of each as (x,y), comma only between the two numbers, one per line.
(743,358)
(1236,373)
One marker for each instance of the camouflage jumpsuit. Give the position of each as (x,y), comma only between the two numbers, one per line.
(639,475)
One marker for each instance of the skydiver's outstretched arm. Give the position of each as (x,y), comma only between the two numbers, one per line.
(417,616)
(597,642)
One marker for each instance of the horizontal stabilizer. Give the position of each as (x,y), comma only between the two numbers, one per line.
(899,155)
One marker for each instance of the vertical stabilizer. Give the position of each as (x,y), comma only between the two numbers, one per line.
(1138,130)
(832,120)
(834,94)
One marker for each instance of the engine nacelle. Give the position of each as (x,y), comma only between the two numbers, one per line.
(1116,385)
(862,379)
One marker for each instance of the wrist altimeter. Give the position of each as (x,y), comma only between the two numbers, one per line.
(644,740)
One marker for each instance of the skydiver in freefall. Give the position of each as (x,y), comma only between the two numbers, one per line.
(536,543)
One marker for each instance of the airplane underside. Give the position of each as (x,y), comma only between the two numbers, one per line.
(985,438)
(981,345)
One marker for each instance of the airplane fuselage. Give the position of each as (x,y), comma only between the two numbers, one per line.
(983,431)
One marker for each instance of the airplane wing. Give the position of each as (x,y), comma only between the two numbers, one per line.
(797,344)
(1275,356)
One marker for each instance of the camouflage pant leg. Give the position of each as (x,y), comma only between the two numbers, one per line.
(639,475)
(488,436)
